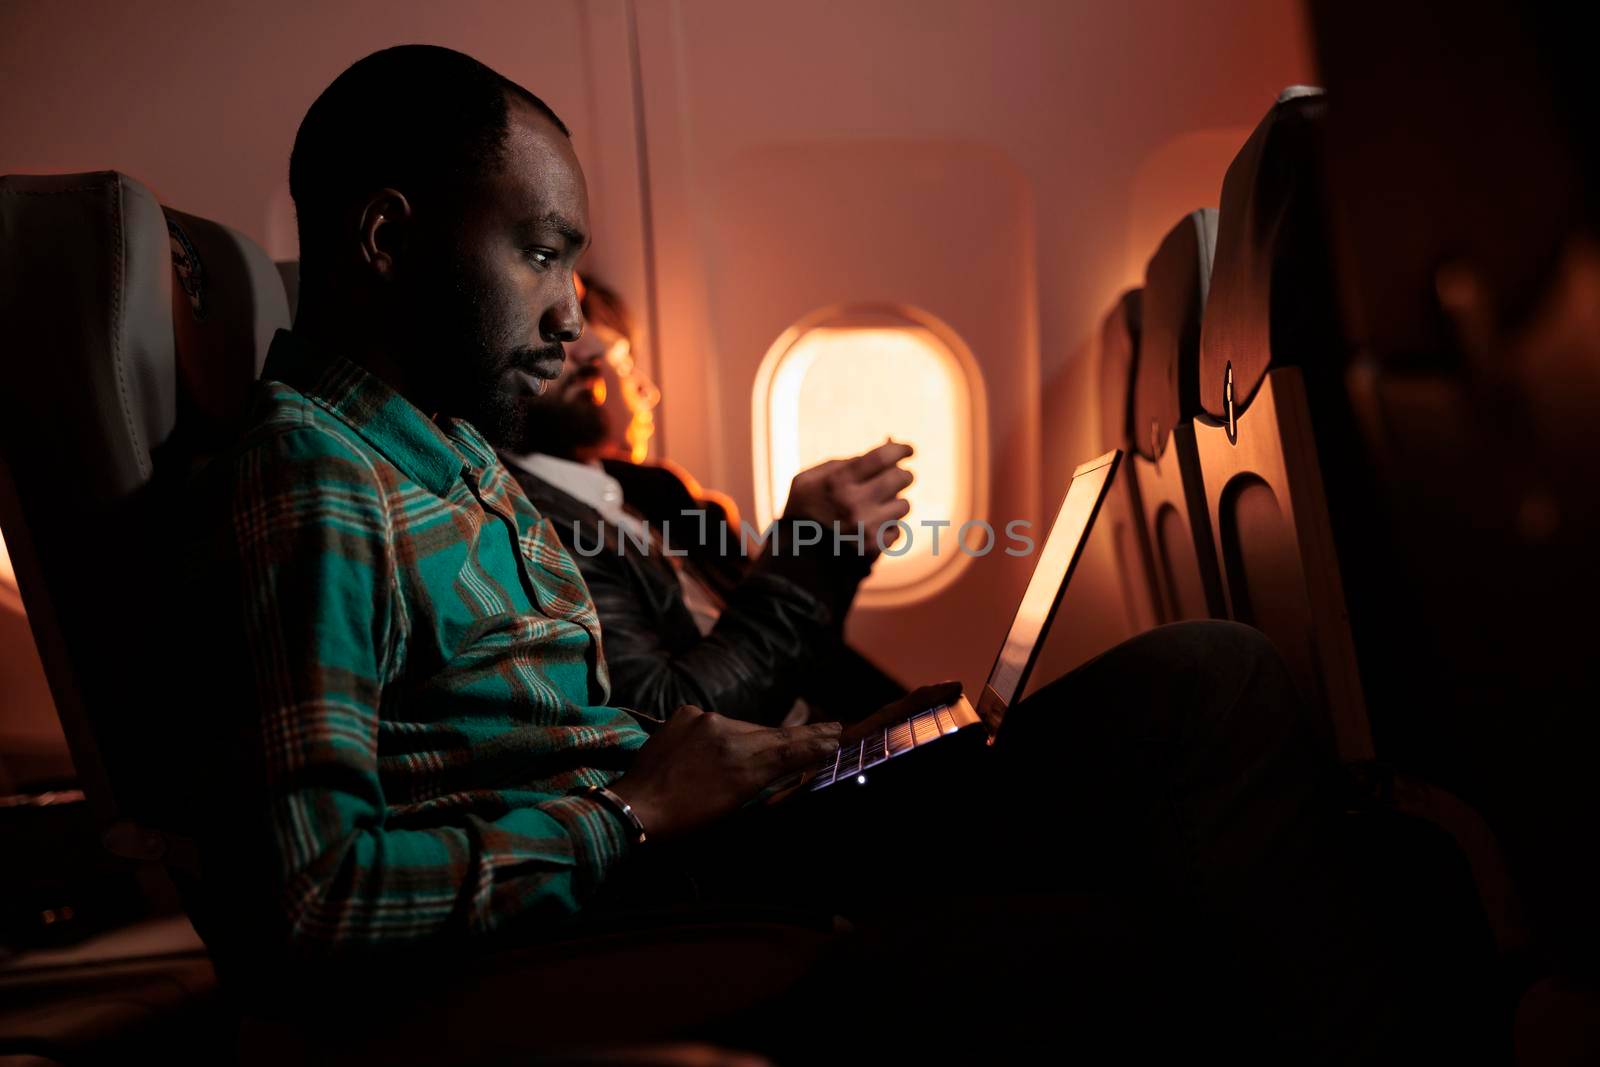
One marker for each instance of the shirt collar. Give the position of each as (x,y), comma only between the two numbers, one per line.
(432,454)
(587,483)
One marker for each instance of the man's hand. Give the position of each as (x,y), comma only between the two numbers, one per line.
(864,490)
(922,699)
(701,766)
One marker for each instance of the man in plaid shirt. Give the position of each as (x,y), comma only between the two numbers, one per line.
(429,689)
(425,755)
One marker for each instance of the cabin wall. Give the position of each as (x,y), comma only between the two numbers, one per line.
(1006,167)
(201,100)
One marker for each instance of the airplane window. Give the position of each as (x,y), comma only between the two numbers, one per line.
(845,383)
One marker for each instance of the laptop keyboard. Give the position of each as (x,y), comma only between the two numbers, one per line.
(856,758)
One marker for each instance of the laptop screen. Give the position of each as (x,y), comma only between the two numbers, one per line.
(1060,553)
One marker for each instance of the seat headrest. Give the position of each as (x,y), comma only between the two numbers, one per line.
(228,301)
(1273,298)
(86,282)
(289,271)
(1166,389)
(126,321)
(131,336)
(1119,357)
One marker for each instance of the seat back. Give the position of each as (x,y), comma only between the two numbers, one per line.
(135,333)
(1123,512)
(1118,365)
(1165,401)
(1292,487)
(1271,328)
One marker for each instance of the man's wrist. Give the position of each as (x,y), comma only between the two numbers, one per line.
(622,808)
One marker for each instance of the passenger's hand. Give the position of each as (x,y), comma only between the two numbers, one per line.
(702,766)
(929,696)
(864,490)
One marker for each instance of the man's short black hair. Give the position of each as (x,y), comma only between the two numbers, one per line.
(418,118)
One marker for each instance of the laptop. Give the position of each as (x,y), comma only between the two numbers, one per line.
(946,724)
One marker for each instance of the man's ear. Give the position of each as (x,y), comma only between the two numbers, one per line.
(385,226)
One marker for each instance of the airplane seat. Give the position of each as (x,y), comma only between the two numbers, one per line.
(1123,511)
(122,311)
(1118,369)
(1165,400)
(289,271)
(1292,482)
(138,332)
(1291,497)
(116,313)
(1271,337)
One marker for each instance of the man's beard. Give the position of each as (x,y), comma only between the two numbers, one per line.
(561,427)
(465,355)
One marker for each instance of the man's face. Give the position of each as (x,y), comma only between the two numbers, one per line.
(570,417)
(490,290)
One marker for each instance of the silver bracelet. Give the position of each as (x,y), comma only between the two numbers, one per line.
(620,806)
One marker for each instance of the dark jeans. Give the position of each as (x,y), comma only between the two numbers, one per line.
(1151,859)
(1146,855)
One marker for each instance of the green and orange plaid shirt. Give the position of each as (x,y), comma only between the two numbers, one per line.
(429,691)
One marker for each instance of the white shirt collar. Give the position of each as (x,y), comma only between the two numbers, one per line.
(587,482)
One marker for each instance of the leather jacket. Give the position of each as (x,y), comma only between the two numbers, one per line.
(779,633)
